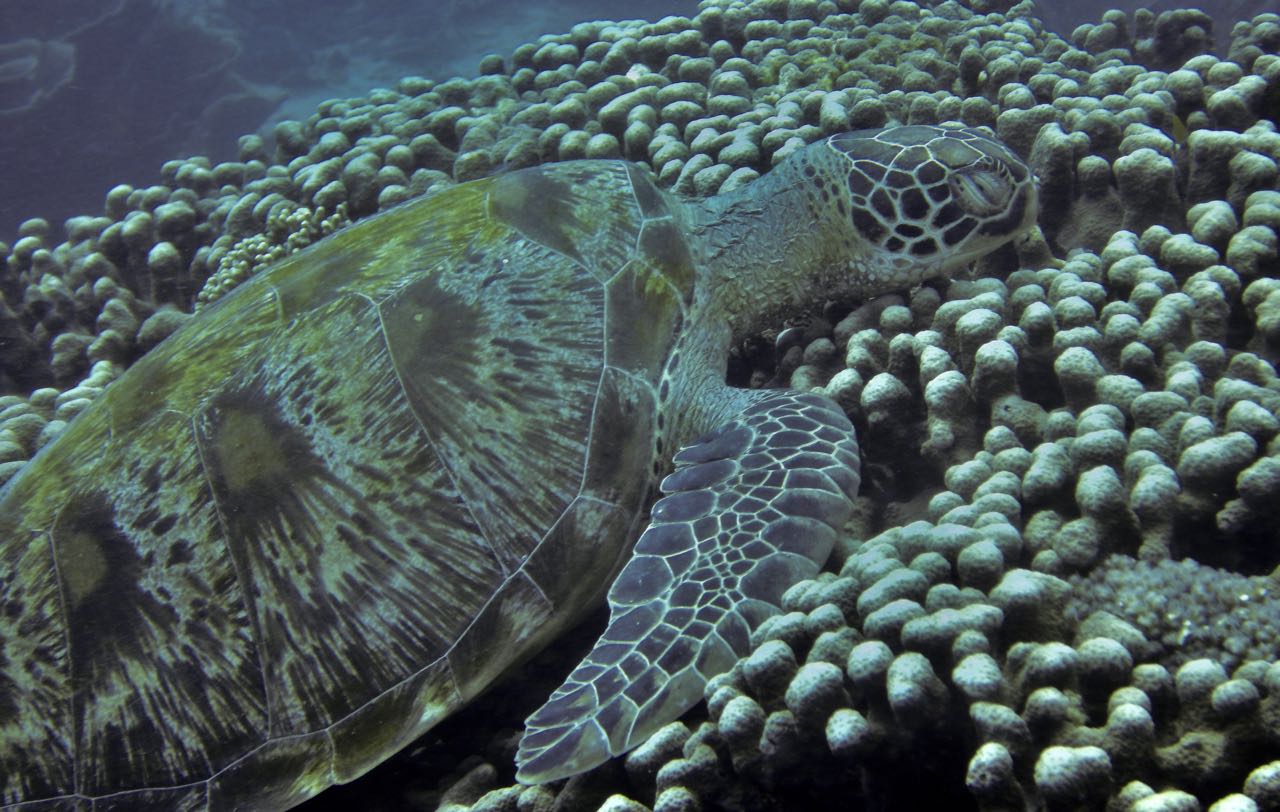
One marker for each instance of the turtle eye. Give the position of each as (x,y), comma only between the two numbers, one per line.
(982,190)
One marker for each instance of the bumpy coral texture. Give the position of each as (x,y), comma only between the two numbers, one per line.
(1061,590)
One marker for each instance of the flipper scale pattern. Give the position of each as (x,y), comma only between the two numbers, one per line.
(752,508)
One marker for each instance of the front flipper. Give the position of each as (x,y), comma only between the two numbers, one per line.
(751,509)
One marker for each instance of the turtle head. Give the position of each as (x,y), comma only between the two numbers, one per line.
(921,201)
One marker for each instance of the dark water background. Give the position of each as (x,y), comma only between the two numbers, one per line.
(99,92)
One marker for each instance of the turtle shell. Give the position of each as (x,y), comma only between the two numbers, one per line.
(339,503)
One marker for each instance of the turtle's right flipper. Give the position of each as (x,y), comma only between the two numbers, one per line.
(751,509)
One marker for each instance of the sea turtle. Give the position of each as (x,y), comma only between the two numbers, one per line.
(342,501)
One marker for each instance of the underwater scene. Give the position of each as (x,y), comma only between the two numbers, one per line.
(652,406)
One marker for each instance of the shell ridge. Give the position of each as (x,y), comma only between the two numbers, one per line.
(581,493)
(481,527)
(242,581)
(65,612)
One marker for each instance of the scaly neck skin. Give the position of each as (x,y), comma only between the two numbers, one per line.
(764,255)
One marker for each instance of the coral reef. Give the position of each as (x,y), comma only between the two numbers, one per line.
(1061,588)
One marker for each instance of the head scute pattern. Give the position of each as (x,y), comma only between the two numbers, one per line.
(931,195)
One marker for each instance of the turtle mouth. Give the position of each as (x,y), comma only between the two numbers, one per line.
(983,190)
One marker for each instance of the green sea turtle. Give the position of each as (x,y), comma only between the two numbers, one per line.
(341,502)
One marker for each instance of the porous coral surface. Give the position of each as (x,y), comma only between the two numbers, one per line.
(1062,587)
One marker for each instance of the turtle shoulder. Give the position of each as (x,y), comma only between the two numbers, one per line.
(340,502)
